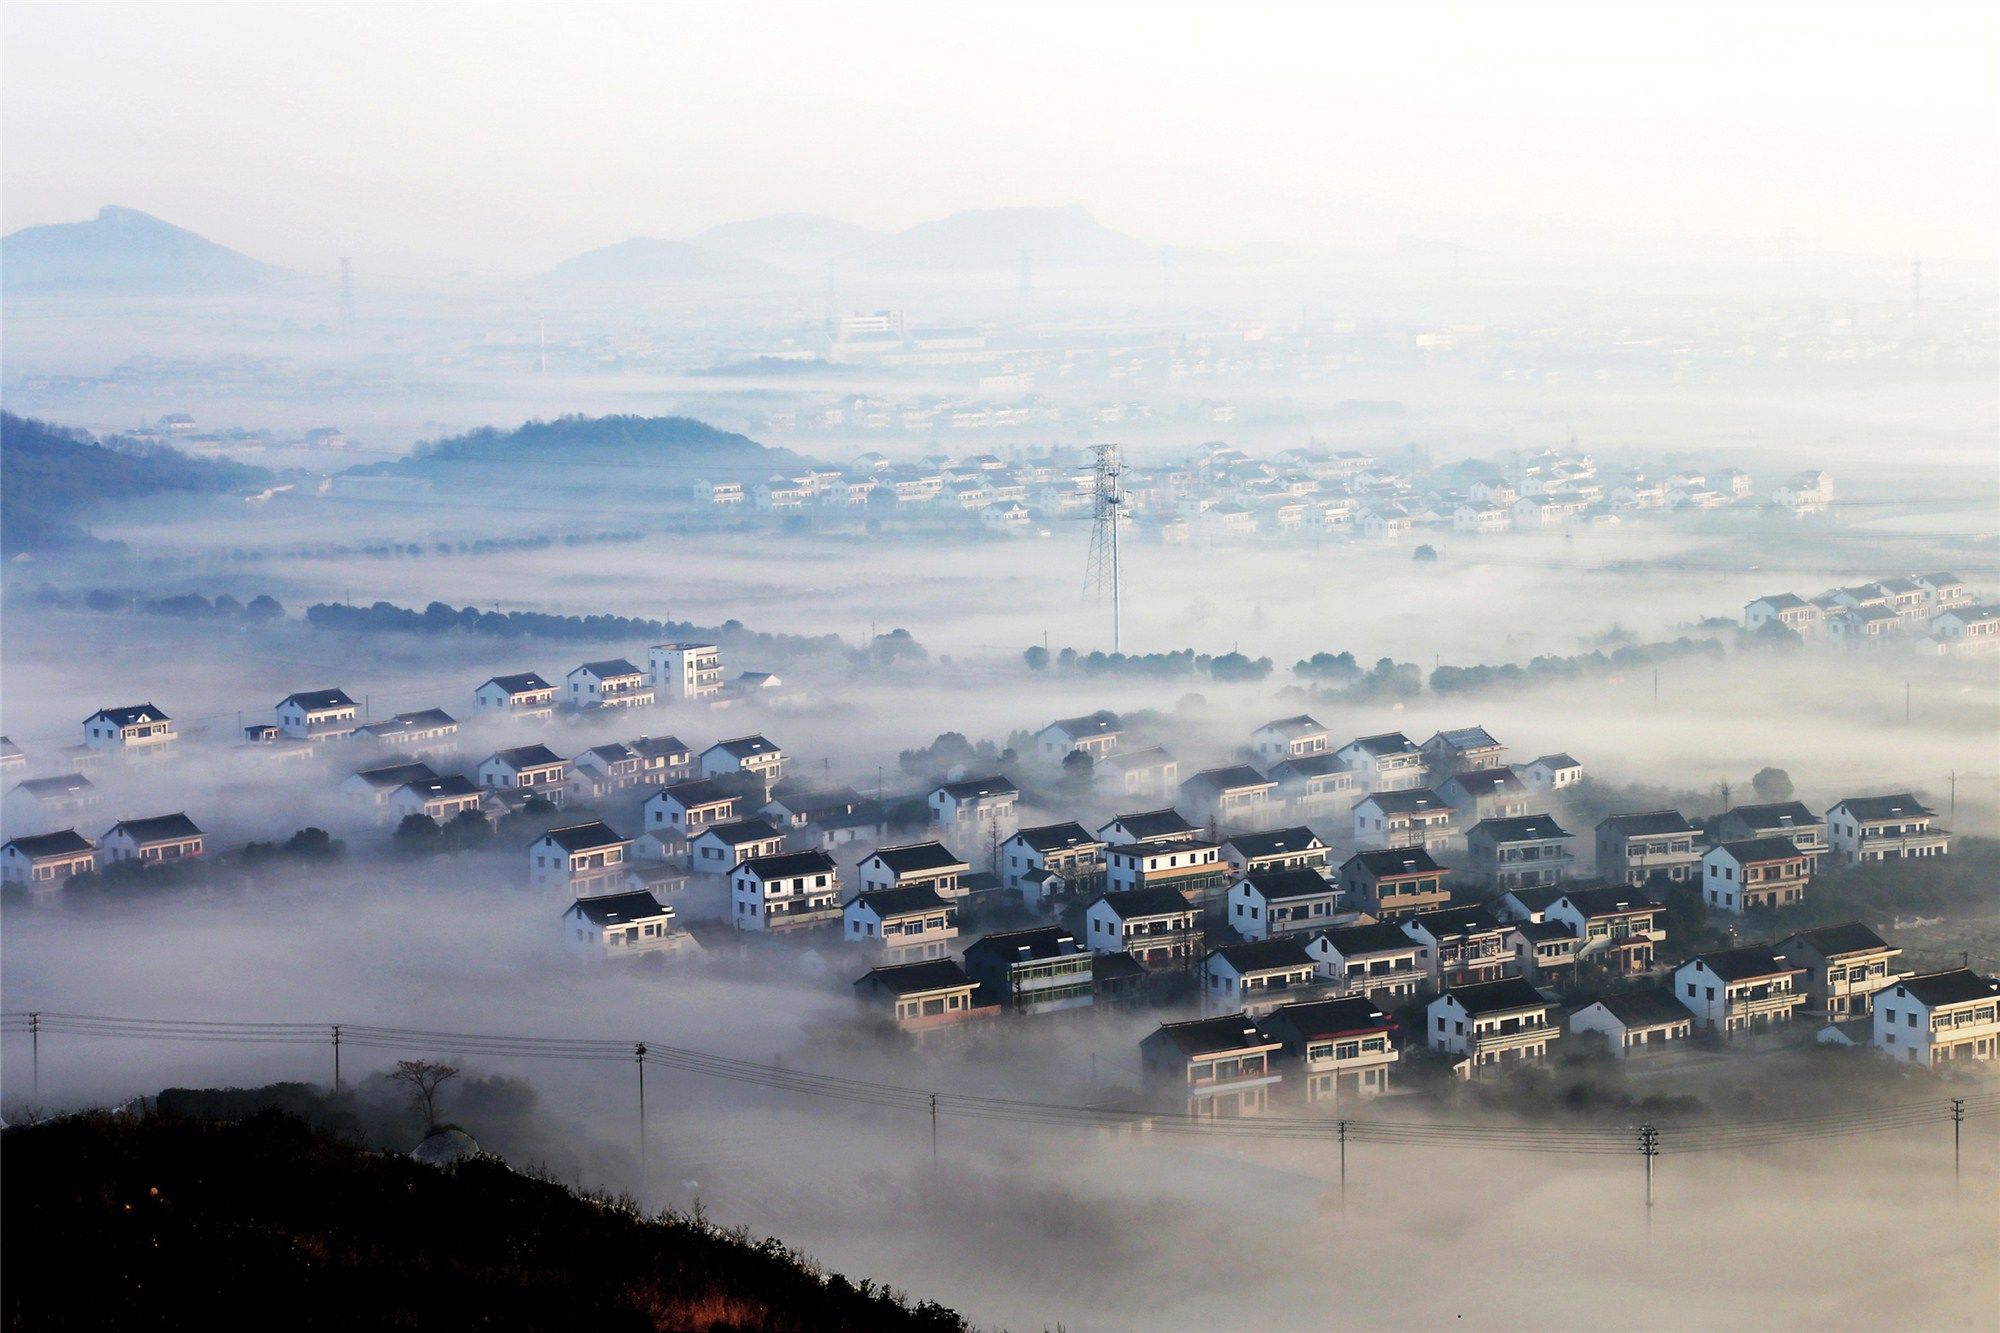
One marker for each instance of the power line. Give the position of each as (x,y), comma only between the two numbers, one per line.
(1572,1140)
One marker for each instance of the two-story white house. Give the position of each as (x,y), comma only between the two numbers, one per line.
(1756,874)
(1377,961)
(313,714)
(1492,1026)
(791,891)
(1458,946)
(1394,882)
(1268,903)
(585,860)
(1749,989)
(534,769)
(1345,1047)
(45,861)
(1634,1021)
(718,848)
(156,841)
(1312,788)
(1234,797)
(1051,863)
(909,925)
(1150,774)
(1387,762)
(1615,928)
(622,925)
(524,695)
(1884,828)
(1938,1018)
(1653,844)
(1158,927)
(1524,852)
(1256,977)
(929,865)
(1409,817)
(1095,734)
(372,789)
(132,730)
(975,812)
(610,683)
(1775,819)
(1299,737)
(1552,772)
(439,798)
(751,756)
(1211,1068)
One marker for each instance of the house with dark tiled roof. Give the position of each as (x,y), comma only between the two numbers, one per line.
(930,865)
(1256,977)
(155,841)
(908,925)
(1492,1026)
(1156,926)
(919,997)
(1345,1048)
(1052,863)
(622,925)
(523,694)
(790,891)
(1636,1021)
(1265,904)
(1756,874)
(1410,817)
(610,683)
(1747,989)
(1845,965)
(1394,882)
(312,714)
(1939,1018)
(1865,829)
(1217,1068)
(129,729)
(1654,844)
(584,860)
(44,861)
(1378,961)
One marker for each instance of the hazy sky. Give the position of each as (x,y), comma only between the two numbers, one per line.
(508,137)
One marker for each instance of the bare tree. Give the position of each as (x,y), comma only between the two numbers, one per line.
(423,1078)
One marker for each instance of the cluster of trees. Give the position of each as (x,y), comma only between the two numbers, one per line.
(1186,664)
(420,835)
(307,845)
(1340,676)
(260,609)
(439,618)
(1462,680)
(952,750)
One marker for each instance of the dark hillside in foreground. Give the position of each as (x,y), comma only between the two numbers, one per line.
(129,1222)
(50,476)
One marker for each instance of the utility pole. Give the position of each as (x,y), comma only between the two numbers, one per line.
(1343,1166)
(1957,1120)
(639,1058)
(1649,1148)
(35,1048)
(336,1057)
(934,1141)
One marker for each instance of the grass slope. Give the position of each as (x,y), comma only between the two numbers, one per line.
(157,1222)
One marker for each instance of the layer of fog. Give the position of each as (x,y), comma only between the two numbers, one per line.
(1022,1227)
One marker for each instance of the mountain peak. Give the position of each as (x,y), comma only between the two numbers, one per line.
(125,252)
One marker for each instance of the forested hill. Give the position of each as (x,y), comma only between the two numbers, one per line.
(50,477)
(159,1222)
(616,450)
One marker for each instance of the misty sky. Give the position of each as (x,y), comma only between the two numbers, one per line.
(506,138)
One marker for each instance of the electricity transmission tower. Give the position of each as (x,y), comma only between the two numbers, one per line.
(1101,574)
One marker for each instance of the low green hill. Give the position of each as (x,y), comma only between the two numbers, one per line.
(614,452)
(159,1222)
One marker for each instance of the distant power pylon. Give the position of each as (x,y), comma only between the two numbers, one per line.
(346,291)
(1101,574)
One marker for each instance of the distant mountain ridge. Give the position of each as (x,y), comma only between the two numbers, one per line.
(799,242)
(123,252)
(995,238)
(648,261)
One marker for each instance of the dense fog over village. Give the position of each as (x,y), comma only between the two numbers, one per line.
(1150,742)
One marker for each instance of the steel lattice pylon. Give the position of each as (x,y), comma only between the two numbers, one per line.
(1101,576)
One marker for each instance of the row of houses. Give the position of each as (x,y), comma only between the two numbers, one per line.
(1935,613)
